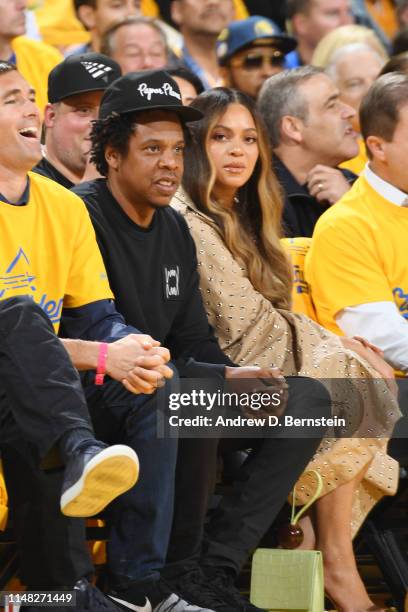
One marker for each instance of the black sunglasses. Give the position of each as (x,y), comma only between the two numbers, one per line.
(254,61)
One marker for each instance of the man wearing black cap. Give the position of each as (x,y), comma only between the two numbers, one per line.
(48,253)
(251,50)
(137,144)
(75,89)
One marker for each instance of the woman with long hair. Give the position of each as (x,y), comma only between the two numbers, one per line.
(232,204)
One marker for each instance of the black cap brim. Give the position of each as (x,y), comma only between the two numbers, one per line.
(186,113)
(286,43)
(75,92)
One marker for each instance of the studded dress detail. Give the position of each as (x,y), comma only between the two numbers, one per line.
(251,331)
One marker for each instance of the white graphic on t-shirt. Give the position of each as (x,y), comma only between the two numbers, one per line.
(172,281)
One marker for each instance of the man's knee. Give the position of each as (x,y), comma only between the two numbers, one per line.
(20,311)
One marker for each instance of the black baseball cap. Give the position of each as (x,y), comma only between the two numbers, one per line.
(81,73)
(144,91)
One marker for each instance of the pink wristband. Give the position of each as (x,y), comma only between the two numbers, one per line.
(101,367)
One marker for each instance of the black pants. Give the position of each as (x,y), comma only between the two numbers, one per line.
(41,398)
(40,391)
(397,447)
(263,484)
(44,399)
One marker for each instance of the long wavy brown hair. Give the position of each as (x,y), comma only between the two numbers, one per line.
(252,227)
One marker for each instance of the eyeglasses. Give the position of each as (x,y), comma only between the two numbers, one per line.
(254,61)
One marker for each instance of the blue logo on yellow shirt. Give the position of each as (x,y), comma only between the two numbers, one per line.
(18,279)
(12,281)
(401,300)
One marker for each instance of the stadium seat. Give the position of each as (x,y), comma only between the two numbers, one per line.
(297,249)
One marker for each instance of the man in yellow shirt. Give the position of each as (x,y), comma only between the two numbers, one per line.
(357,263)
(34,59)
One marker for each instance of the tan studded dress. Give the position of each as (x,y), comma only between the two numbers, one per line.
(252,332)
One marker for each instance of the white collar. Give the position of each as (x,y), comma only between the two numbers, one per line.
(385,189)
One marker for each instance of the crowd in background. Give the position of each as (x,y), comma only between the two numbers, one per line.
(205,144)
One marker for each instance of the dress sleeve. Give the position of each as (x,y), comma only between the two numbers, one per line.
(234,308)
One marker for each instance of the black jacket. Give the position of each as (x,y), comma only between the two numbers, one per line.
(301,210)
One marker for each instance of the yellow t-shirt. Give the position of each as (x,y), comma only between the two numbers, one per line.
(58,24)
(35,60)
(48,250)
(358,254)
(384,14)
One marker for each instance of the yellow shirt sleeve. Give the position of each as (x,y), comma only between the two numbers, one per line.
(58,24)
(87,278)
(150,8)
(343,267)
(241,11)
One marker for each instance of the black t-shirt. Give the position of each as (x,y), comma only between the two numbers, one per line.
(301,210)
(153,275)
(46,169)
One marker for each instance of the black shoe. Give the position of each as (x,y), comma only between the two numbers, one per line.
(132,598)
(88,599)
(95,475)
(224,584)
(153,596)
(194,586)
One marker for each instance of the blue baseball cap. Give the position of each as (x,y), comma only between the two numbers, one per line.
(255,30)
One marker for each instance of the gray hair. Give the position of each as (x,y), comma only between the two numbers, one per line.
(107,45)
(331,68)
(280,96)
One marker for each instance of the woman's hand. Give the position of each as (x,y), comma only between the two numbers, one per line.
(368,344)
(374,356)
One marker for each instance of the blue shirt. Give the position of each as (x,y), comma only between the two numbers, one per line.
(292,60)
(195,67)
